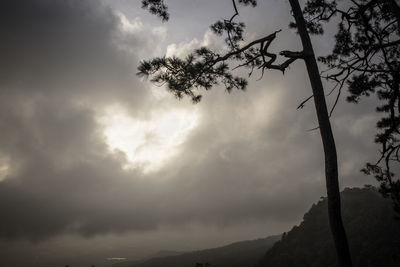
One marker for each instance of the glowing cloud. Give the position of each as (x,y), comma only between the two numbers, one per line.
(147,144)
(4,168)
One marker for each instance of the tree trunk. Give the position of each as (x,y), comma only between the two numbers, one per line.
(331,168)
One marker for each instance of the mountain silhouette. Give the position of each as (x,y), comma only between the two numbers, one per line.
(240,254)
(373,233)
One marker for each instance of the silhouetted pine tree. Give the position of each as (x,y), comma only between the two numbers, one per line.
(205,68)
(366,59)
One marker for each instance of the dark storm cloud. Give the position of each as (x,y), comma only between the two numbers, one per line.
(60,61)
(68,49)
(250,157)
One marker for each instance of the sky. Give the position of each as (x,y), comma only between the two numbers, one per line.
(97,163)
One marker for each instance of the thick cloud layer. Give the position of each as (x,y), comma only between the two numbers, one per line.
(61,61)
(250,157)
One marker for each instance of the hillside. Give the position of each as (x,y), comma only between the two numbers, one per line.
(240,254)
(374,234)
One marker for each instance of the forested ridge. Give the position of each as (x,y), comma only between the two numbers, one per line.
(373,231)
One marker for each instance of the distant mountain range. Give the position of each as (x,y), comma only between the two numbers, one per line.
(374,237)
(240,254)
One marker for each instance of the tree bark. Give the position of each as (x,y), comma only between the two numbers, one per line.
(331,167)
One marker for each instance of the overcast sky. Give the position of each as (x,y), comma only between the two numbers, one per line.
(97,163)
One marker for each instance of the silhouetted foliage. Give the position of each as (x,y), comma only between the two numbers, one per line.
(205,68)
(373,234)
(366,58)
(156,7)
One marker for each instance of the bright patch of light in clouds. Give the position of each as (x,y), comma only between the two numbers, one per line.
(127,25)
(4,168)
(147,144)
